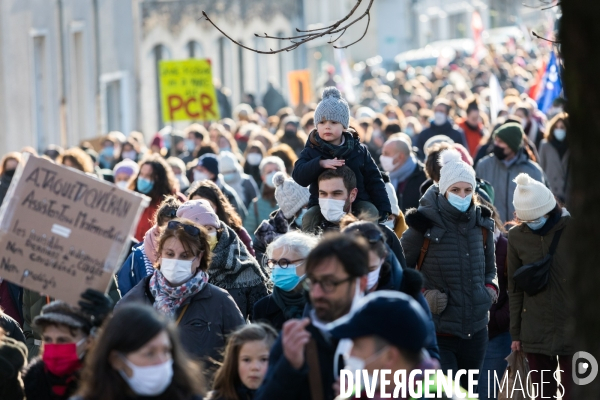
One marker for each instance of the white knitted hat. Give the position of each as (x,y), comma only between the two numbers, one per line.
(532,199)
(290,196)
(454,169)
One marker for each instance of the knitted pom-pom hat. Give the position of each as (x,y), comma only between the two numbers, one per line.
(531,199)
(333,108)
(290,196)
(454,169)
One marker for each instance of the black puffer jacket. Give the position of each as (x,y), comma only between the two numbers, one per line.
(456,262)
(368,177)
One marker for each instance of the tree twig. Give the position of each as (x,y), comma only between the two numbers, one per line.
(338,27)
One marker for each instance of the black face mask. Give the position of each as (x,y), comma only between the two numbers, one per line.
(499,152)
(9,173)
(289,132)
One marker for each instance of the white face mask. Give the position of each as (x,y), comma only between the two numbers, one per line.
(199,176)
(373,278)
(389,223)
(332,210)
(387,163)
(439,118)
(151,380)
(352,363)
(176,271)
(269,179)
(253,158)
(122,184)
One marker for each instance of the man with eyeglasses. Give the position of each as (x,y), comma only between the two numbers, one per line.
(305,360)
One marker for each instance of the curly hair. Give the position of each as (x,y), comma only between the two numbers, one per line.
(210,191)
(78,158)
(162,176)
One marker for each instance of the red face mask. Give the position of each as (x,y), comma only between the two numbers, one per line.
(61,359)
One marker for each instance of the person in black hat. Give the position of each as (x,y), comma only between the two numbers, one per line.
(208,169)
(13,356)
(389,331)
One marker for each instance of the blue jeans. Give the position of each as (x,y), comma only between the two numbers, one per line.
(498,349)
(457,353)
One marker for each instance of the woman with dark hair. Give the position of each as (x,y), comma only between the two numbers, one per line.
(245,363)
(78,159)
(231,266)
(554,155)
(539,322)
(155,179)
(138,356)
(208,190)
(141,260)
(179,288)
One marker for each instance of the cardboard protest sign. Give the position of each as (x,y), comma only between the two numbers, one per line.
(187,91)
(300,88)
(62,231)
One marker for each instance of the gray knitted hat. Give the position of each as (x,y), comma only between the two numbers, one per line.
(333,108)
(59,312)
(290,196)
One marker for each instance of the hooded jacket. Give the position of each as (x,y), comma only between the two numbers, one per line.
(446,129)
(501,178)
(456,263)
(541,322)
(368,177)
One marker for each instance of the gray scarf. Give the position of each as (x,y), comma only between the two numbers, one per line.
(231,266)
(401,174)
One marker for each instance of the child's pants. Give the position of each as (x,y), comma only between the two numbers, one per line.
(313,217)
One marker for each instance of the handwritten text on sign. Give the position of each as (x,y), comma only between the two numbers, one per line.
(62,231)
(187,91)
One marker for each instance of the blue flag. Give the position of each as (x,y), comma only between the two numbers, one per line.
(551,86)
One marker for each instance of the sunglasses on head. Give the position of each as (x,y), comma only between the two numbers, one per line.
(373,236)
(189,229)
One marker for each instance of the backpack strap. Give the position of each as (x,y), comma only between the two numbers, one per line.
(485,235)
(555,241)
(315,382)
(424,249)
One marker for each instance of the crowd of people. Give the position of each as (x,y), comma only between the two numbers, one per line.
(280,248)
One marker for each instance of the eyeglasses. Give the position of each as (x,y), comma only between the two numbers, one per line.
(189,229)
(327,285)
(282,262)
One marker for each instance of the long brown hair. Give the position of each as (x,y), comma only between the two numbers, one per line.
(9,156)
(227,377)
(162,175)
(191,244)
(225,211)
(128,330)
(564,117)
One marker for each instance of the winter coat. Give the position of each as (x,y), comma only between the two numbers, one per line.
(285,382)
(368,177)
(211,315)
(11,327)
(11,300)
(38,383)
(32,307)
(500,312)
(446,129)
(456,262)
(244,186)
(146,220)
(269,230)
(541,322)
(409,191)
(133,270)
(495,172)
(267,311)
(259,210)
(246,239)
(555,168)
(232,268)
(233,198)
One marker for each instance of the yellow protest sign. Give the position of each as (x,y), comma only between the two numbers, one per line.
(300,90)
(187,92)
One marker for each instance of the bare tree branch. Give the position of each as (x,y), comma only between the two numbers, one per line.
(339,27)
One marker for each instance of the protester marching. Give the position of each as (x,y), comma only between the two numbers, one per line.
(276,253)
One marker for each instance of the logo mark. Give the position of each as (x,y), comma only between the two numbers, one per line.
(585,368)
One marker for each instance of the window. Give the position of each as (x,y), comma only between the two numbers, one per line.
(160,52)
(78,89)
(195,49)
(116,102)
(457,26)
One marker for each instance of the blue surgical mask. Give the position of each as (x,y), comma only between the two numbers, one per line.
(538,223)
(144,185)
(108,152)
(559,134)
(409,131)
(225,149)
(285,278)
(190,144)
(230,176)
(460,203)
